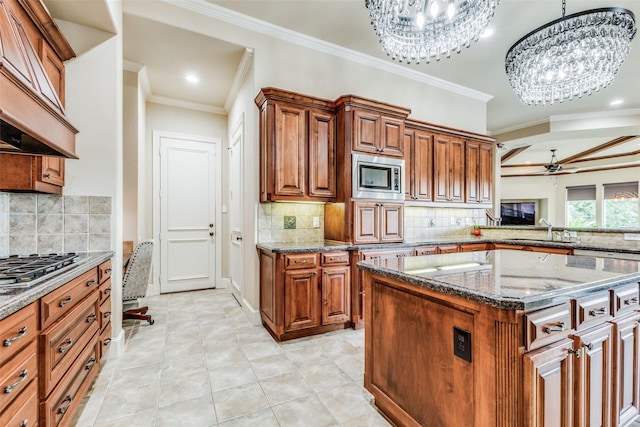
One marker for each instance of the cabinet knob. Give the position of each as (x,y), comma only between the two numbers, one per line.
(551,329)
(46,175)
(597,311)
(588,346)
(577,352)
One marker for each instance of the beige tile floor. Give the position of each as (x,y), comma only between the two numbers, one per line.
(203,364)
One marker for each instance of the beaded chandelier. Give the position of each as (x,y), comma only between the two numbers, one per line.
(575,55)
(423,30)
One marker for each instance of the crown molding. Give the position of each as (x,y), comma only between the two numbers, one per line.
(240,76)
(211,10)
(188,105)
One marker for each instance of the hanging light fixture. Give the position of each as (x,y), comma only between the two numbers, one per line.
(422,30)
(571,56)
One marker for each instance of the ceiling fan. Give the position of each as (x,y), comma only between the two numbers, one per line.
(554,166)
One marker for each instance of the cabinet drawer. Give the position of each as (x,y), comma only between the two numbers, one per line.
(62,300)
(447,249)
(591,310)
(295,261)
(425,250)
(335,258)
(24,410)
(64,400)
(624,299)
(105,290)
(546,326)
(62,343)
(104,271)
(474,247)
(105,341)
(105,313)
(17,373)
(18,330)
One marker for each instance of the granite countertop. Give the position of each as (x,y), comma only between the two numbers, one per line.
(330,245)
(509,279)
(13,299)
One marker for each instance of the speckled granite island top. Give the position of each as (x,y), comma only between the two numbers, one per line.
(508,279)
(13,299)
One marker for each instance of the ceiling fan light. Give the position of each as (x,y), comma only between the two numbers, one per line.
(395,24)
(592,44)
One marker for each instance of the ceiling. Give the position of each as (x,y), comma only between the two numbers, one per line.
(571,127)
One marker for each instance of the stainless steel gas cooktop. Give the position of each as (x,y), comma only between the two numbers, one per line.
(24,270)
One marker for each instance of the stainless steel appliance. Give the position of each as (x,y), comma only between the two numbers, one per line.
(22,271)
(377,177)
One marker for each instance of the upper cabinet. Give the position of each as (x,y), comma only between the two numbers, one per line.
(448,169)
(418,152)
(41,174)
(371,127)
(297,147)
(479,171)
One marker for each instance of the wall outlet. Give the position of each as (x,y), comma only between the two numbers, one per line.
(432,222)
(462,344)
(316,222)
(631,236)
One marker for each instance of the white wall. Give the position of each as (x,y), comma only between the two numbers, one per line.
(553,188)
(130,156)
(94,107)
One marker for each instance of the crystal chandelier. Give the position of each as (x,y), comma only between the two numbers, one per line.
(421,30)
(571,56)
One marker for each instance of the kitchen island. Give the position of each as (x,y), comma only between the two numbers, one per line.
(503,338)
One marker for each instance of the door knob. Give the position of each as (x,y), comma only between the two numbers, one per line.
(210,225)
(239,238)
(211,233)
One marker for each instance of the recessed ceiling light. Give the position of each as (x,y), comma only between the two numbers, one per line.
(488,32)
(192,78)
(616,102)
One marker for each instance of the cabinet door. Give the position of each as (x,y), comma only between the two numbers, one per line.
(392,141)
(422,176)
(485,177)
(54,68)
(391,222)
(335,294)
(592,377)
(301,300)
(472,172)
(51,170)
(548,380)
(448,249)
(367,227)
(441,173)
(289,150)
(366,131)
(409,138)
(456,166)
(268,294)
(626,362)
(322,154)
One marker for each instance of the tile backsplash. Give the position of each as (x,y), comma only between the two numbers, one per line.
(44,223)
(423,223)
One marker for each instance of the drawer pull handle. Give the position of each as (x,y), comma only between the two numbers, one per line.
(301,261)
(67,344)
(597,311)
(107,271)
(107,291)
(24,423)
(63,408)
(577,352)
(90,364)
(91,317)
(65,301)
(588,346)
(630,301)
(106,314)
(107,341)
(552,329)
(91,283)
(23,376)
(21,334)
(46,175)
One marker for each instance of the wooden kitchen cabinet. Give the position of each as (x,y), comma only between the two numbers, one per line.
(304,294)
(377,133)
(418,150)
(297,147)
(626,359)
(43,174)
(478,171)
(378,222)
(448,169)
(104,280)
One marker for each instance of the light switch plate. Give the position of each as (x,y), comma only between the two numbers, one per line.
(316,222)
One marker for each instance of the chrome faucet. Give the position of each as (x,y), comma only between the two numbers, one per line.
(548,224)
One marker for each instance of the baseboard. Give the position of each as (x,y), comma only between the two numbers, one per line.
(225,283)
(116,348)
(252,314)
(153,290)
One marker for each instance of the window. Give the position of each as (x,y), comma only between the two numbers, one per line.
(581,206)
(620,205)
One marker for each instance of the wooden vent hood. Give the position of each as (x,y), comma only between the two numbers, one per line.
(32,119)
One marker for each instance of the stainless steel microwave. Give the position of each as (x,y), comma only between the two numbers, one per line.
(377,177)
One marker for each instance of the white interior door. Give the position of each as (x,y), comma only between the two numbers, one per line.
(188,172)
(235,210)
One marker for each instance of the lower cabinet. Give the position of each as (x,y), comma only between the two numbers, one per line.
(305,293)
(377,222)
(626,380)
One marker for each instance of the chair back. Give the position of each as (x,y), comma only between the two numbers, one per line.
(136,276)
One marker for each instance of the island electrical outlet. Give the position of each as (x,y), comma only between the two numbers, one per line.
(462,344)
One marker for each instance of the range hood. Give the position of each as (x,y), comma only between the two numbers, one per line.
(32,118)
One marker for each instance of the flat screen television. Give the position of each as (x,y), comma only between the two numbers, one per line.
(518,213)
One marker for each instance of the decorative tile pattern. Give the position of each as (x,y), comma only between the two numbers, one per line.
(219,370)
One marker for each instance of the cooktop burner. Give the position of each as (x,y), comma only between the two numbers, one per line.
(21,270)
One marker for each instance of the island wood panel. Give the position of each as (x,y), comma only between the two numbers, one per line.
(626,360)
(268,289)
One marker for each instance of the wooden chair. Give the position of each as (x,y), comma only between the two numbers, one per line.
(136,281)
